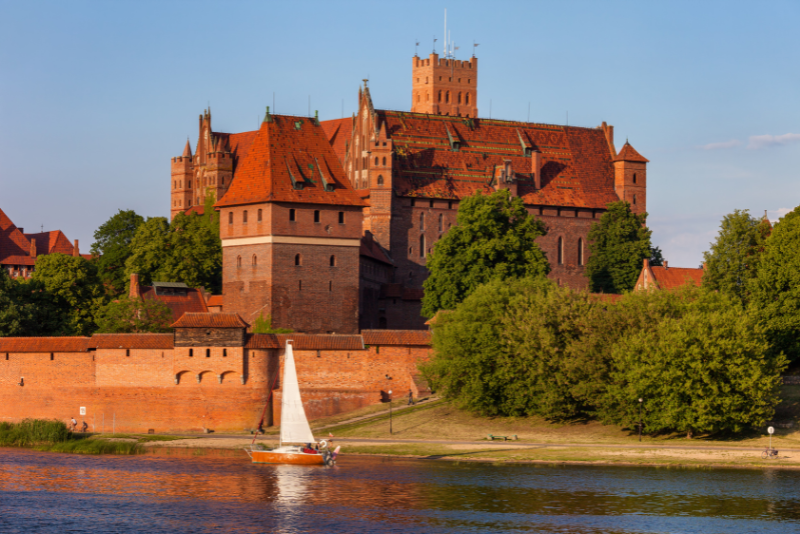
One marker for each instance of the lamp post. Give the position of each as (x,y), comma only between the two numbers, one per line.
(640,420)
(390,406)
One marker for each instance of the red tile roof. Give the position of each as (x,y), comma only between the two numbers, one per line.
(338,132)
(304,342)
(45,344)
(288,150)
(51,242)
(133,341)
(371,249)
(210,320)
(675,277)
(576,162)
(396,337)
(214,300)
(18,260)
(12,241)
(628,153)
(191,302)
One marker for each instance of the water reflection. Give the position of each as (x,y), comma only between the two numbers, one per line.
(41,492)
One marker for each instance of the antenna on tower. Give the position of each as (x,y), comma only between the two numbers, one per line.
(474,46)
(416,46)
(434,44)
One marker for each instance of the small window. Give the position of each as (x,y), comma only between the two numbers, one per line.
(255,260)
(450,205)
(330,286)
(431,203)
(333,261)
(188,183)
(191,352)
(413,202)
(341,217)
(224,353)
(410,251)
(208,353)
(634,200)
(376,161)
(422,246)
(244,216)
(447,97)
(634,177)
(561,251)
(384,161)
(259,215)
(127,352)
(440,93)
(291,214)
(467,99)
(441,222)
(230,218)
(580,251)
(380,179)
(297,260)
(238,261)
(422,221)
(459,97)
(52,356)
(299,285)
(316,216)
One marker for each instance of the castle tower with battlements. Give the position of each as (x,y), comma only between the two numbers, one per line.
(444,86)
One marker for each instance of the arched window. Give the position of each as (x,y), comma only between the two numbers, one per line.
(298,260)
(447,97)
(175,184)
(330,286)
(259,215)
(561,251)
(422,221)
(440,96)
(238,261)
(376,161)
(418,98)
(410,251)
(441,222)
(380,179)
(244,216)
(422,246)
(427,97)
(255,261)
(384,161)
(333,261)
(634,177)
(580,251)
(467,98)
(459,97)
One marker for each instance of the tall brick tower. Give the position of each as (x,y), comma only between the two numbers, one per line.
(445,86)
(630,178)
(182,170)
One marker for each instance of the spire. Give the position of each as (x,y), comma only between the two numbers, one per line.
(187,151)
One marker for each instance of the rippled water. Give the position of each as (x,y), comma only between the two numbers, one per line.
(49,493)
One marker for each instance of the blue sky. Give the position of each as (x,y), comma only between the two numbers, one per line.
(95,97)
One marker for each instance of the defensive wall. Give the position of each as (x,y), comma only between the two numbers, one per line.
(175,383)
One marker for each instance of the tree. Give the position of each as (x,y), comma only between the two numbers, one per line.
(149,250)
(112,248)
(263,325)
(774,292)
(14,313)
(618,244)
(707,371)
(134,316)
(494,239)
(732,262)
(72,285)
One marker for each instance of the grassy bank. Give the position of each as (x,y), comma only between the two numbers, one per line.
(54,436)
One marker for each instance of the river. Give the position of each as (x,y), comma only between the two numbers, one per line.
(54,493)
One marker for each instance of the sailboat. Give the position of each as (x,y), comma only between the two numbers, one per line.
(294,427)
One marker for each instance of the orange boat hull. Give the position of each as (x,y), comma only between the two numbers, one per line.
(298,458)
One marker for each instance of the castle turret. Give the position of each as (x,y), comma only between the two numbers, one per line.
(630,178)
(182,169)
(445,86)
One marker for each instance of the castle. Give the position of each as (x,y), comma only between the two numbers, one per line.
(326,225)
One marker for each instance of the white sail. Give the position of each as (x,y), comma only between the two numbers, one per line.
(294,425)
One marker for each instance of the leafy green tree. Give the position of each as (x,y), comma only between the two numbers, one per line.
(263,325)
(72,284)
(732,261)
(656,257)
(112,248)
(14,313)
(707,371)
(149,250)
(618,244)
(775,289)
(134,316)
(494,239)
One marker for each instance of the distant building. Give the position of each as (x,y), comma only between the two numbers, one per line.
(178,297)
(18,250)
(666,277)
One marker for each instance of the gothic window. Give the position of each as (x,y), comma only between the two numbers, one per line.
(441,222)
(238,261)
(230,217)
(376,161)
(291,214)
(634,200)
(341,217)
(634,177)
(298,260)
(244,216)
(255,260)
(459,97)
(447,97)
(380,179)
(440,96)
(419,98)
(422,221)
(384,161)
(188,183)
(259,215)
(467,98)
(561,251)
(580,251)
(422,246)
(427,97)
(175,184)
(316,216)
(333,261)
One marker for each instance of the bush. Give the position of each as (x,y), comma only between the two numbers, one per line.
(30,432)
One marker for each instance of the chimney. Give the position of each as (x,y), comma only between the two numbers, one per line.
(536,168)
(666,265)
(75,250)
(33,248)
(647,263)
(134,292)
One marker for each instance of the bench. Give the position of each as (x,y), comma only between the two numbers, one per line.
(492,437)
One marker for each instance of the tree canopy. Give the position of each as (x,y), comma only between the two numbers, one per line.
(494,239)
(618,244)
(112,248)
(732,262)
(133,316)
